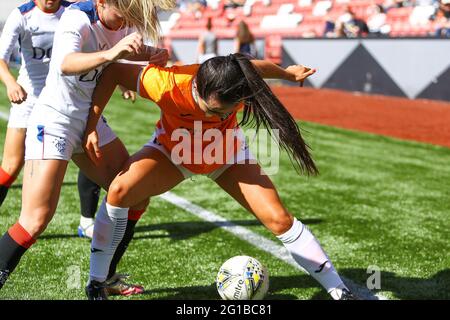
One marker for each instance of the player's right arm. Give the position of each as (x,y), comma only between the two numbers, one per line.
(80,62)
(73,31)
(11,32)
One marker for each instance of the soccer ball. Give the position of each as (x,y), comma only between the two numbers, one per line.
(242,278)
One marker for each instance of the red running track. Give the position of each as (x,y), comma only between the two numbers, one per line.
(417,120)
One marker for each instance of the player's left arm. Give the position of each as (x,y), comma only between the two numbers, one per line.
(270,70)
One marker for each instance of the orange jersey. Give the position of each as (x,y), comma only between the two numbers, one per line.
(182,120)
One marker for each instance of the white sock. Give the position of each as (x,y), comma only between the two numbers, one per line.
(88,225)
(307,252)
(110,224)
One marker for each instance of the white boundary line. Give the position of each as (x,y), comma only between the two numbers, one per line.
(4,116)
(257,240)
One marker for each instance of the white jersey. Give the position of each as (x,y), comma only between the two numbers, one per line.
(33,29)
(79,30)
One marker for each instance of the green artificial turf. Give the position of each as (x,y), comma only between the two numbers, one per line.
(377,202)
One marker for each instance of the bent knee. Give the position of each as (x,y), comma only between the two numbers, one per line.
(36,223)
(117,194)
(13,166)
(280,222)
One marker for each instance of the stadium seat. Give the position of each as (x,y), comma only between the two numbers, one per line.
(281,21)
(295,18)
(273,49)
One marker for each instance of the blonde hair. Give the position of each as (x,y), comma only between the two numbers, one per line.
(143,15)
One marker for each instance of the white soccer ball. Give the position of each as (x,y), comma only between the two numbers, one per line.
(242,278)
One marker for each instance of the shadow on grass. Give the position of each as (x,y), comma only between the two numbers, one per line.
(59,236)
(189,229)
(434,288)
(177,230)
(277,284)
(403,288)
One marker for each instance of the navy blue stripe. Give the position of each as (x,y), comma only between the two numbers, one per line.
(66,3)
(26,7)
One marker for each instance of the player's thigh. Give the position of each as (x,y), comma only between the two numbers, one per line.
(255,191)
(14,150)
(114,156)
(147,173)
(42,181)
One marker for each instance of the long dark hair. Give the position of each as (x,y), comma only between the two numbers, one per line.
(232,79)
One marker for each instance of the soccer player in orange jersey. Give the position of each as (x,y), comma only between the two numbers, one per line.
(210,95)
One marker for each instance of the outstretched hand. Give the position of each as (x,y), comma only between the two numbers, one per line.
(300,73)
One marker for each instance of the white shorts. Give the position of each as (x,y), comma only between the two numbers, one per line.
(20,113)
(244,155)
(56,142)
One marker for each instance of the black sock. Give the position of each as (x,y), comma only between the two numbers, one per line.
(89,194)
(122,247)
(3,193)
(10,253)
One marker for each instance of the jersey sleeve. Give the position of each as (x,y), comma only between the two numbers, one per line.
(73,28)
(154,82)
(12,31)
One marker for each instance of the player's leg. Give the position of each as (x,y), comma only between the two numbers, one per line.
(147,173)
(40,193)
(114,156)
(14,147)
(256,192)
(89,193)
(13,159)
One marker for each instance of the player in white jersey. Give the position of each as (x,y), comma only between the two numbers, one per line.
(32,25)
(89,35)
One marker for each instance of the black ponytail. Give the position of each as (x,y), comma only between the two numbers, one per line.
(234,78)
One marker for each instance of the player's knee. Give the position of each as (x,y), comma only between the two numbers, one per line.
(36,223)
(280,222)
(13,165)
(117,194)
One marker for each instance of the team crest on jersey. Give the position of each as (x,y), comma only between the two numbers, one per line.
(34,29)
(60,144)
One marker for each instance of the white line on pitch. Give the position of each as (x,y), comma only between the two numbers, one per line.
(4,116)
(257,240)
